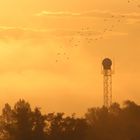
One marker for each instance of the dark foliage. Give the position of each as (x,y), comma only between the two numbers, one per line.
(115,123)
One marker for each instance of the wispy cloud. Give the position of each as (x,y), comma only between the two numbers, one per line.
(20,33)
(65,13)
(114,34)
(14,33)
(49,13)
(93,13)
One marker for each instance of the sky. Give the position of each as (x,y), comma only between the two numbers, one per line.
(51,52)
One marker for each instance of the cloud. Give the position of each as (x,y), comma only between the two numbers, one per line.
(133,21)
(48,13)
(111,34)
(63,13)
(93,13)
(19,33)
(40,36)
(132,15)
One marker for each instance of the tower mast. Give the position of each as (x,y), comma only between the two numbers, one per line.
(107,82)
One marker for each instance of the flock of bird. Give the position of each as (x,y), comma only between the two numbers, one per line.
(134,2)
(89,35)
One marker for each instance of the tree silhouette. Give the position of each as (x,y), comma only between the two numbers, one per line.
(7,123)
(39,125)
(22,116)
(115,123)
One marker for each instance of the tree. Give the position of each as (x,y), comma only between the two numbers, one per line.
(22,115)
(7,125)
(39,125)
(55,122)
(117,123)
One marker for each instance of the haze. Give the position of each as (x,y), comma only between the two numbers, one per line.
(51,52)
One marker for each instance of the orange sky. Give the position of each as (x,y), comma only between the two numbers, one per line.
(51,52)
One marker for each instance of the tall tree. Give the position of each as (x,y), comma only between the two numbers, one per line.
(7,123)
(40,125)
(22,116)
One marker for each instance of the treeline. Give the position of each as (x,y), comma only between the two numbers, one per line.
(116,123)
